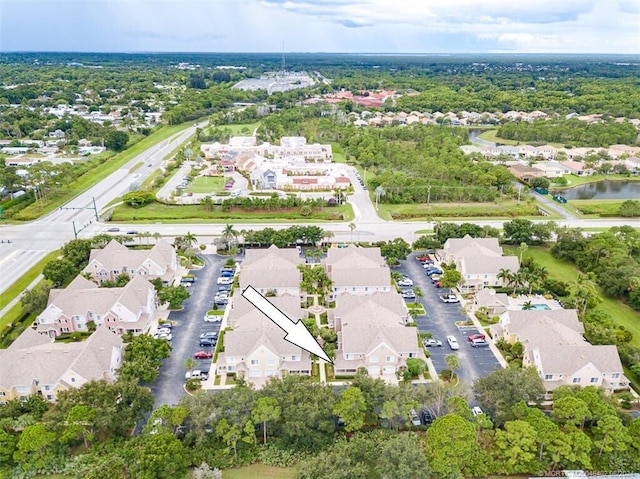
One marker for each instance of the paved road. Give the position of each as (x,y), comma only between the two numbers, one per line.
(31,242)
(440,320)
(189,325)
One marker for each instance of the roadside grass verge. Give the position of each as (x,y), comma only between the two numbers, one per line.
(135,167)
(423,212)
(198,214)
(89,179)
(596,208)
(25,280)
(206,184)
(565,271)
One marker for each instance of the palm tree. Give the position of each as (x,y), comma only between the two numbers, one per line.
(157,236)
(507,276)
(453,363)
(228,232)
(189,239)
(523,247)
(527,305)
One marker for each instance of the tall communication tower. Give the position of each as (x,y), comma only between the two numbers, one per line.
(283,67)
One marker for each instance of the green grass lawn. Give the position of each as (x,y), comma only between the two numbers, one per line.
(197,214)
(565,271)
(206,184)
(583,180)
(245,129)
(259,471)
(595,208)
(137,166)
(339,156)
(422,212)
(490,135)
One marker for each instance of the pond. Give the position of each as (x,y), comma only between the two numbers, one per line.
(602,190)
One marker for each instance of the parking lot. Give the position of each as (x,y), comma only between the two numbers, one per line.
(189,324)
(440,320)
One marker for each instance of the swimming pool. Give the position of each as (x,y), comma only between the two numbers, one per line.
(539,307)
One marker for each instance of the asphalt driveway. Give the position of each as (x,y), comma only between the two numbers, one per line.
(440,320)
(189,324)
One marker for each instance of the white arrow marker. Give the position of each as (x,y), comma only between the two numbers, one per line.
(297,333)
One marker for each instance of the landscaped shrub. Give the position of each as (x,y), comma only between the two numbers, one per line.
(278,456)
(193,384)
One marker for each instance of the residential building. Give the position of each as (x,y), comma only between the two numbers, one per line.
(525,173)
(357,271)
(479,261)
(494,304)
(372,335)
(36,364)
(272,270)
(125,309)
(114,259)
(256,348)
(554,344)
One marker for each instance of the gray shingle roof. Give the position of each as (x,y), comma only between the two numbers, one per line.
(271,268)
(488,264)
(243,315)
(35,356)
(353,266)
(116,257)
(454,245)
(570,359)
(546,327)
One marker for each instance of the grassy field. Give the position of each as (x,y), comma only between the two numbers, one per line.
(206,184)
(197,214)
(86,181)
(421,212)
(259,471)
(565,271)
(339,156)
(490,135)
(245,129)
(583,180)
(595,208)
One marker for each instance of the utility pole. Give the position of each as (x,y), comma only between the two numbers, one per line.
(428,196)
(519,191)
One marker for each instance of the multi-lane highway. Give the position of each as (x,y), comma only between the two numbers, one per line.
(31,242)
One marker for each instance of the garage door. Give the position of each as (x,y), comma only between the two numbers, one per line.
(255,373)
(389,370)
(373,370)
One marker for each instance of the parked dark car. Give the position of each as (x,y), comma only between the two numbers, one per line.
(426,417)
(207,342)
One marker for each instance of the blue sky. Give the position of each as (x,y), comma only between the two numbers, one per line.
(394,26)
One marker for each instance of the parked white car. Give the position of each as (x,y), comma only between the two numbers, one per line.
(223,280)
(405,282)
(453,342)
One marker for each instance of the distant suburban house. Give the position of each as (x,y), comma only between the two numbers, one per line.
(525,173)
(372,335)
(554,344)
(125,309)
(256,349)
(357,270)
(577,168)
(272,269)
(479,260)
(158,262)
(36,364)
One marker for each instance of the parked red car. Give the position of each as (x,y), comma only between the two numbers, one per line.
(203,355)
(476,336)
(423,258)
(438,284)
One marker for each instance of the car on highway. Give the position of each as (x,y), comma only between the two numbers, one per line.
(207,342)
(405,282)
(203,355)
(432,342)
(132,232)
(113,230)
(223,280)
(449,298)
(471,337)
(453,342)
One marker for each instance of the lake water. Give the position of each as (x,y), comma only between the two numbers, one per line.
(619,190)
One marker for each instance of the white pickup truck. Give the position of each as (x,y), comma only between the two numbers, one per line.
(449,298)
